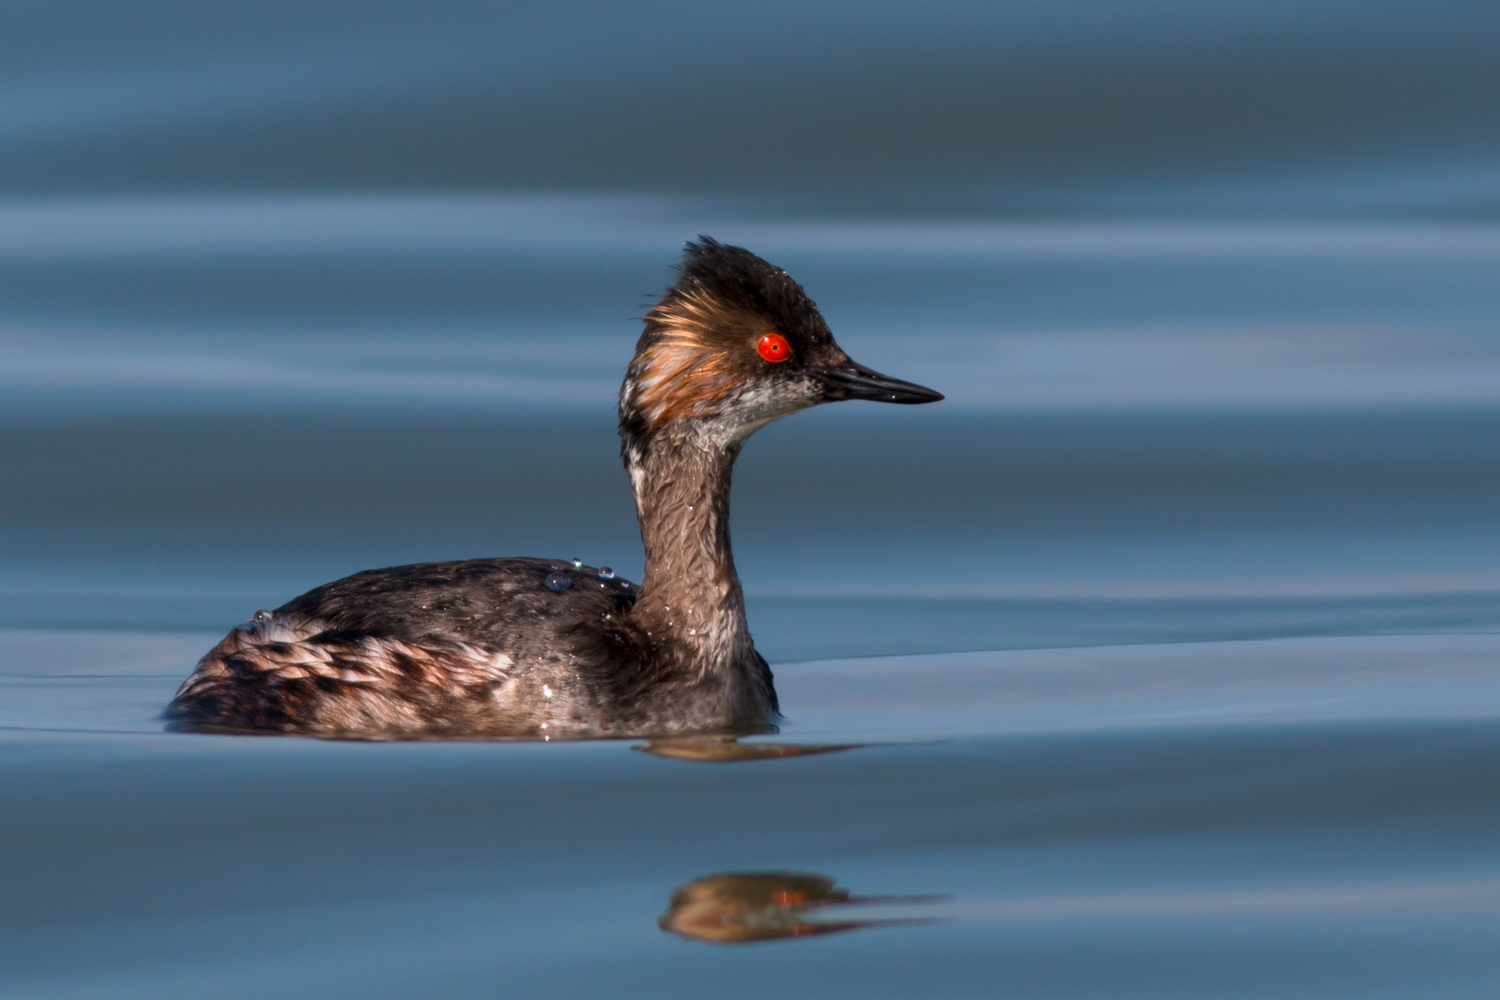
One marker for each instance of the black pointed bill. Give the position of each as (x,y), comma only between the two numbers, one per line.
(852,380)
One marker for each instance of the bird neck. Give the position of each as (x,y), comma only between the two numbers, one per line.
(690,595)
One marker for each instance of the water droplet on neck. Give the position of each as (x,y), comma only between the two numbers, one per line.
(558,582)
(577,563)
(262,615)
(605,573)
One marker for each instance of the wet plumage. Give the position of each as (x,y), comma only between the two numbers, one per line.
(487,648)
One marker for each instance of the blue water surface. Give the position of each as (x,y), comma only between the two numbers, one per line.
(1161,659)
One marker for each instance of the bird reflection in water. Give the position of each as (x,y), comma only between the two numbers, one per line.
(766,906)
(728,749)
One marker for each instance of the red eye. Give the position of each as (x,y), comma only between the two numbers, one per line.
(774,348)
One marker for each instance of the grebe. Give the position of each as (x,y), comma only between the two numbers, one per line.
(545,648)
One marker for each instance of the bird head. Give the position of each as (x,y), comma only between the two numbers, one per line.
(733,345)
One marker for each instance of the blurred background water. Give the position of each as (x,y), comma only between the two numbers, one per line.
(292,290)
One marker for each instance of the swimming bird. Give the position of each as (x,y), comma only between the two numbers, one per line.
(544,648)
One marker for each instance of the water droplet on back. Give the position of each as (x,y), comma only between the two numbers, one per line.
(577,563)
(605,573)
(558,582)
(262,615)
